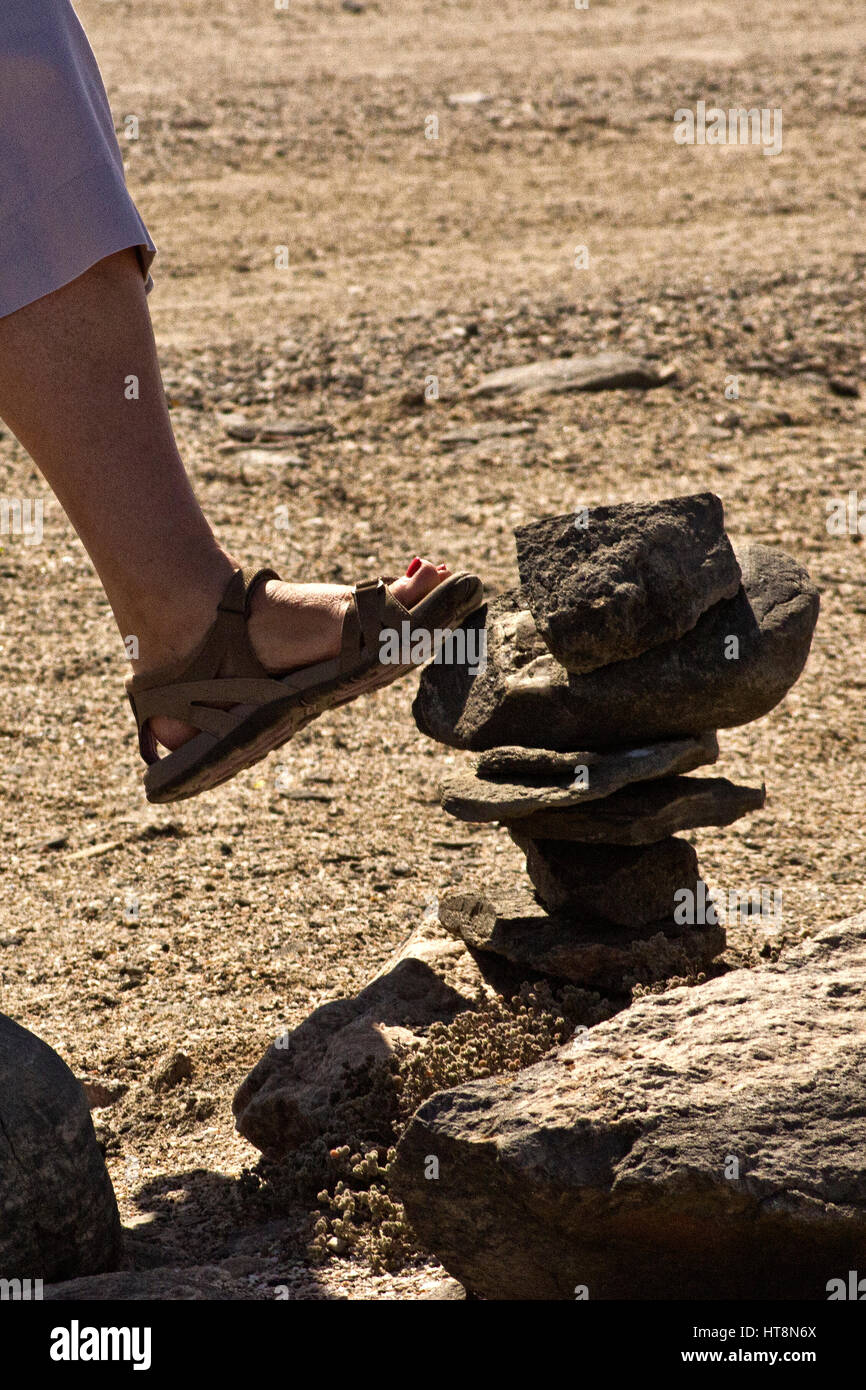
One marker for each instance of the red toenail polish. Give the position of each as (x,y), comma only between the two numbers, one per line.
(415,565)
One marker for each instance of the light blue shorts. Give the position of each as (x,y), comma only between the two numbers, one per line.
(64,204)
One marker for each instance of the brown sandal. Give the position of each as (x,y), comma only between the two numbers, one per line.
(246,711)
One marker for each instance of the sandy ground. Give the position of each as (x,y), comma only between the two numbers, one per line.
(411,257)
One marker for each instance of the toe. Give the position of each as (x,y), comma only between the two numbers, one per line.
(411,589)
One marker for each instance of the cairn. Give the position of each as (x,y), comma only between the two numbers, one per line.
(635,634)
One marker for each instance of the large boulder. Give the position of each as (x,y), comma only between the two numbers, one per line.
(58,1214)
(513,782)
(614,581)
(735,664)
(708,1141)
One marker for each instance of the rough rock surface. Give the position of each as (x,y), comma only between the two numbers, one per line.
(678,689)
(624,578)
(627,885)
(197,1284)
(58,1215)
(646,812)
(576,948)
(606,371)
(706,1143)
(289,1096)
(551,784)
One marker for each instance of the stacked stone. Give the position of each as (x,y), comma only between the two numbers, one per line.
(635,634)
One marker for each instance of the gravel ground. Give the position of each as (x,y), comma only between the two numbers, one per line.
(127,931)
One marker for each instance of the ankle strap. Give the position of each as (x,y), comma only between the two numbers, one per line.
(240,589)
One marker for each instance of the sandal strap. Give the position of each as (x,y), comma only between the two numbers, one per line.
(189,692)
(233,648)
(373,608)
(240,589)
(369,599)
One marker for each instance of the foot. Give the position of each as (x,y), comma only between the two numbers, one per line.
(293,625)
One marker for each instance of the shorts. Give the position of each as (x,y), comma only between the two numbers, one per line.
(64,204)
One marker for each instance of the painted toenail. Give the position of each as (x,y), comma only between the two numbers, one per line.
(415,565)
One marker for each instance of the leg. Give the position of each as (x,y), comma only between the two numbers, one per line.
(74,327)
(114,465)
(113,462)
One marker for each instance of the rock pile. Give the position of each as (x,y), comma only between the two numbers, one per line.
(634,635)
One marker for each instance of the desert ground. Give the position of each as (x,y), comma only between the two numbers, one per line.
(404,258)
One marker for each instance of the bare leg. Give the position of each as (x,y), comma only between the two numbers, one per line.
(113,463)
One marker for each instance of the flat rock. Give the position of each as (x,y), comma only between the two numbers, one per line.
(290,1095)
(58,1214)
(488,429)
(171,1071)
(844,386)
(102,1093)
(644,814)
(606,371)
(576,947)
(760,415)
(624,578)
(626,885)
(270,431)
(467,98)
(706,1140)
(735,664)
(513,782)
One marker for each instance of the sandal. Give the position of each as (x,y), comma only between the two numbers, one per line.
(246,712)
